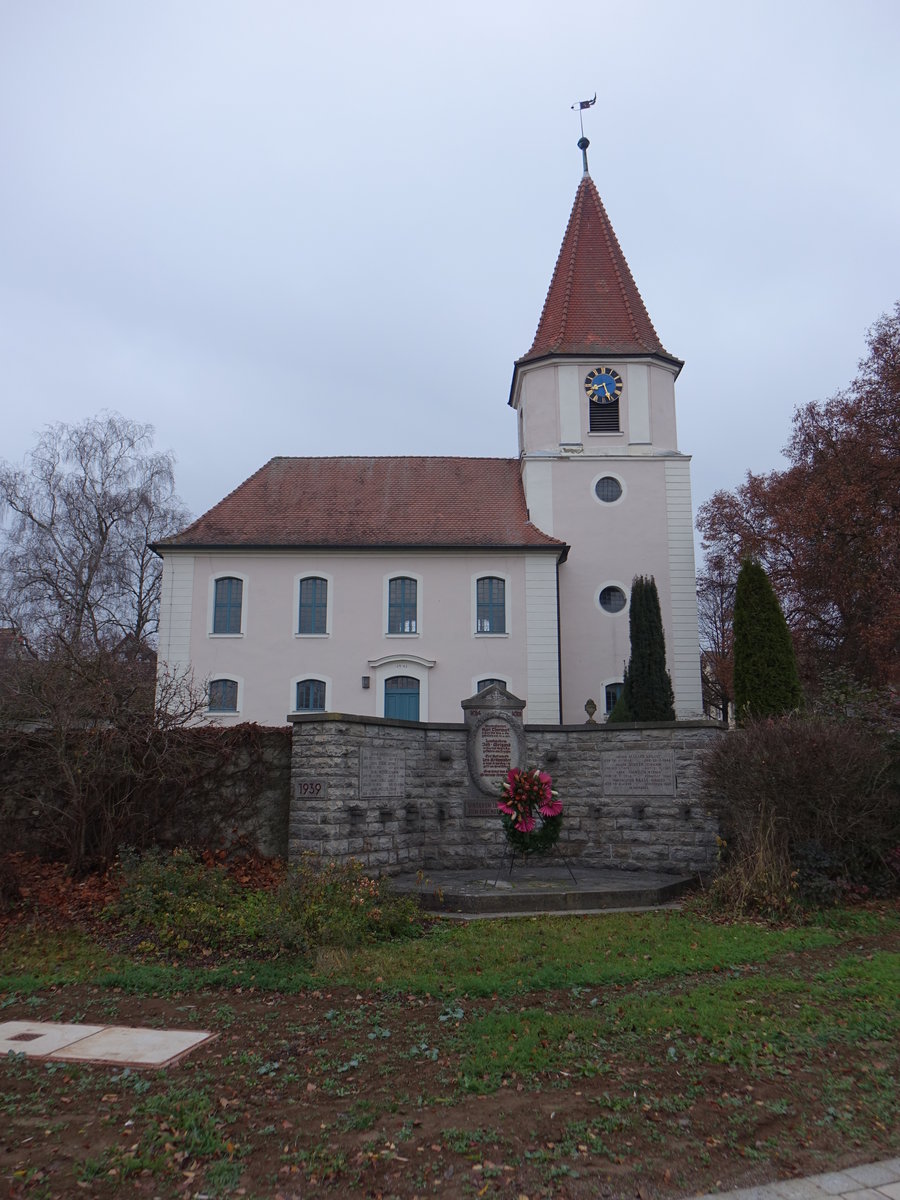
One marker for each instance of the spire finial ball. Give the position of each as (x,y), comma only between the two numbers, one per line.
(583,144)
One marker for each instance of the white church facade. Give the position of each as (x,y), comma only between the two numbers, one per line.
(398,586)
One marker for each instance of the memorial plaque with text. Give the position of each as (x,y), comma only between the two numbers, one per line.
(494,748)
(638,773)
(382,773)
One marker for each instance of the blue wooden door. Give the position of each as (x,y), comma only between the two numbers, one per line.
(401,698)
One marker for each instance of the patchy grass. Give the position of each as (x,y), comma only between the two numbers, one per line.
(485,958)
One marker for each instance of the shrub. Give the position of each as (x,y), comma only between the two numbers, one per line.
(766,683)
(809,810)
(339,905)
(178,903)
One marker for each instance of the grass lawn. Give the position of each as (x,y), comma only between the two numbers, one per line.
(609,1056)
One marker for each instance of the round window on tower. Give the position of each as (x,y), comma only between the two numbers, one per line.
(612,599)
(608,489)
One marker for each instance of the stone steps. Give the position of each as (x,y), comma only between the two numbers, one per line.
(529,890)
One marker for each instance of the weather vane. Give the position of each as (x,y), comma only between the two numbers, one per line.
(583,143)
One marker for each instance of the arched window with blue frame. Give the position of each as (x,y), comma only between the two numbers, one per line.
(490,599)
(402,602)
(311,695)
(313,617)
(223,696)
(228,605)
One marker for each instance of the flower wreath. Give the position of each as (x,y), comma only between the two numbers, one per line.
(523,794)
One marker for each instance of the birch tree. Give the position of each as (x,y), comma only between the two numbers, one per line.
(78,521)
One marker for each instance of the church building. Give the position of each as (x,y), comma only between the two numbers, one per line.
(398,586)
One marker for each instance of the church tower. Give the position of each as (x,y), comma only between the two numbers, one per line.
(601,468)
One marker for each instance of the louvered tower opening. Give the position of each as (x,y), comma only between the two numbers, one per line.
(604,418)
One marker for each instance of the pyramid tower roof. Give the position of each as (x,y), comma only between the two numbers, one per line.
(593,306)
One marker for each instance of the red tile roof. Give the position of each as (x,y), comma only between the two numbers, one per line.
(369,502)
(593,305)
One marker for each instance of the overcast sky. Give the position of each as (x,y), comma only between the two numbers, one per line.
(309,228)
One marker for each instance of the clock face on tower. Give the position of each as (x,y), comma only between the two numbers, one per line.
(603,385)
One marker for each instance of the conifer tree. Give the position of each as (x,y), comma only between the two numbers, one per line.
(766,683)
(647,694)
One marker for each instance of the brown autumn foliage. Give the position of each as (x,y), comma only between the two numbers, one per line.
(827,529)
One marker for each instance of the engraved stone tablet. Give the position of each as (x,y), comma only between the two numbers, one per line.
(382,773)
(638,772)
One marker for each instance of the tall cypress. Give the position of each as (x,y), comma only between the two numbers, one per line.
(647,694)
(766,683)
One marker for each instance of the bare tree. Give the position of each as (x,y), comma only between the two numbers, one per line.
(95,752)
(79,519)
(716,583)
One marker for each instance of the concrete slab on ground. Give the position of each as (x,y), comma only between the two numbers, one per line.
(118,1045)
(539,889)
(39,1039)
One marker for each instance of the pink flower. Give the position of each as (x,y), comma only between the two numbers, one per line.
(506,808)
(525,823)
(551,807)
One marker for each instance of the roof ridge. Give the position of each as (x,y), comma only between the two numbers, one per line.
(570,273)
(614,244)
(562,246)
(385,458)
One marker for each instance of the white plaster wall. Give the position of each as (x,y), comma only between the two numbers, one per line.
(611,543)
(270,654)
(176,598)
(537,479)
(682,637)
(637,399)
(543,640)
(571,389)
(539,396)
(662,409)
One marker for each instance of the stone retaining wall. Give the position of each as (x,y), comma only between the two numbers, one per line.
(397,795)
